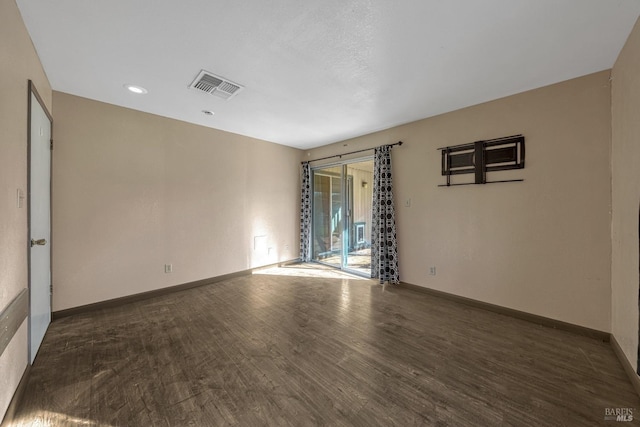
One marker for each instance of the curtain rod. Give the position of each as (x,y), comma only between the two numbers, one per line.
(352,152)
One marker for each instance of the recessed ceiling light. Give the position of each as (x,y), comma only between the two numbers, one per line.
(136,89)
(207,112)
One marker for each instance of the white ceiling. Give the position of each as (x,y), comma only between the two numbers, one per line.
(320,72)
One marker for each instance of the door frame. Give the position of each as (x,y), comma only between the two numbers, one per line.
(33,91)
(347,197)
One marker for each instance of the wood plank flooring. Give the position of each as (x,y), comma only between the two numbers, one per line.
(286,350)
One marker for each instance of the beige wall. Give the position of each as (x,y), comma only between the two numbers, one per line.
(134,191)
(540,246)
(625,164)
(18,63)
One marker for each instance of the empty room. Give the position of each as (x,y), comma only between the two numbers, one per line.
(344,213)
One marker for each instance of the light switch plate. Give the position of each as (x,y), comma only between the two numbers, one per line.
(20,198)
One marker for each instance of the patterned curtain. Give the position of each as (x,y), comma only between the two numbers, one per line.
(305,214)
(384,247)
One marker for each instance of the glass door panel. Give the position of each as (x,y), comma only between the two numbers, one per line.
(328,215)
(360,192)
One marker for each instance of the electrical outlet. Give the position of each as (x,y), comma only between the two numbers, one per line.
(432,271)
(168,268)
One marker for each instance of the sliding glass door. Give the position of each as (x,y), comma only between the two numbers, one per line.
(342,198)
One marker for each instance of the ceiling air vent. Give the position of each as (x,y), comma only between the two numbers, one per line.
(215,85)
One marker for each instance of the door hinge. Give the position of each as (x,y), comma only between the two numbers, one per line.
(51,144)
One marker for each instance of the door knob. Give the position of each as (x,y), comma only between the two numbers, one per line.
(39,242)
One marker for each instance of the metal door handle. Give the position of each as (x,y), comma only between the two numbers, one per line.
(39,242)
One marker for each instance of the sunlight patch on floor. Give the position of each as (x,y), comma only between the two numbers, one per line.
(309,270)
(52,419)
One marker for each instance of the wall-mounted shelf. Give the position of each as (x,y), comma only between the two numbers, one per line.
(481,157)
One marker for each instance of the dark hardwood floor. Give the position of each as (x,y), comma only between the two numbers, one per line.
(281,349)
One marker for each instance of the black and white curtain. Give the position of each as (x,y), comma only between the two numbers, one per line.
(305,214)
(384,246)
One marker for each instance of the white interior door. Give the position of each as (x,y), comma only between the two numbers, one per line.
(40,226)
